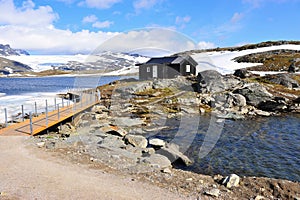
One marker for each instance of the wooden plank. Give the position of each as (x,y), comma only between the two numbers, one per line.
(39,123)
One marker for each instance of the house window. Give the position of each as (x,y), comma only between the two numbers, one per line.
(148,69)
(188,68)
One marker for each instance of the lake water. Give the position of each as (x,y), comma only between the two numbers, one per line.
(264,146)
(15,92)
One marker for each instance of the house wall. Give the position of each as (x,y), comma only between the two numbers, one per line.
(165,70)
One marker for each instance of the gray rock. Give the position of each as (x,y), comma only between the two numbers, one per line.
(158,161)
(211,81)
(180,82)
(282,79)
(232,180)
(112,141)
(40,144)
(242,73)
(171,151)
(114,130)
(213,192)
(262,113)
(99,109)
(136,140)
(189,110)
(157,142)
(132,88)
(231,115)
(278,104)
(127,121)
(167,171)
(254,94)
(228,100)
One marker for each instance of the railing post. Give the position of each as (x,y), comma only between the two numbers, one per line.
(31,127)
(58,112)
(99,97)
(35,109)
(5,116)
(22,107)
(55,103)
(46,113)
(81,100)
(62,102)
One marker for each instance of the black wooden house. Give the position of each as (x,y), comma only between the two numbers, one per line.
(167,67)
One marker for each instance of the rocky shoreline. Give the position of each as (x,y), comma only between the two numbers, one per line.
(112,136)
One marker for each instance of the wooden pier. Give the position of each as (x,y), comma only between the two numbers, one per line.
(41,123)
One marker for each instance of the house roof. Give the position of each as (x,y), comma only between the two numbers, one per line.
(172,60)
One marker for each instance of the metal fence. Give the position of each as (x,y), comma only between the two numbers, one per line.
(56,111)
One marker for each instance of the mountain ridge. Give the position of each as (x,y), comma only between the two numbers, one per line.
(6,50)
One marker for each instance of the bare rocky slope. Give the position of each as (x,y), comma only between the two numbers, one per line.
(112,135)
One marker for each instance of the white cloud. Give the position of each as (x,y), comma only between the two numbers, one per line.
(152,39)
(100,4)
(181,20)
(49,40)
(104,24)
(27,14)
(206,45)
(236,17)
(145,4)
(32,29)
(259,3)
(90,19)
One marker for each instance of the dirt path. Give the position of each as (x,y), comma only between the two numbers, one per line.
(28,175)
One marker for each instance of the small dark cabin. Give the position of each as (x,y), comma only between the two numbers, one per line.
(167,67)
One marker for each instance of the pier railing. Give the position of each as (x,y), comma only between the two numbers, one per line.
(40,119)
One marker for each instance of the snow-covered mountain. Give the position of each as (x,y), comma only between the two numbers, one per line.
(104,62)
(6,50)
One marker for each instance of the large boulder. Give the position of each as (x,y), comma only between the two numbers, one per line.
(282,79)
(242,73)
(171,151)
(278,104)
(112,141)
(228,100)
(113,130)
(211,81)
(157,160)
(254,94)
(127,121)
(136,140)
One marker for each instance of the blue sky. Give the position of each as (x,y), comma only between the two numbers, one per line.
(80,26)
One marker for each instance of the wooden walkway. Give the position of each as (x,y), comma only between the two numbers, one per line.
(45,121)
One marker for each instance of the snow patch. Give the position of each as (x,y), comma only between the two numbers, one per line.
(223,61)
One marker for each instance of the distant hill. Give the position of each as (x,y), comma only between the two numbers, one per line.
(9,67)
(6,50)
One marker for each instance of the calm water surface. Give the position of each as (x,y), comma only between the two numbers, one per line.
(267,147)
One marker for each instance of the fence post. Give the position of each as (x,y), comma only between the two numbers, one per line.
(22,107)
(35,108)
(55,103)
(81,100)
(46,113)
(5,113)
(31,127)
(58,112)
(62,102)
